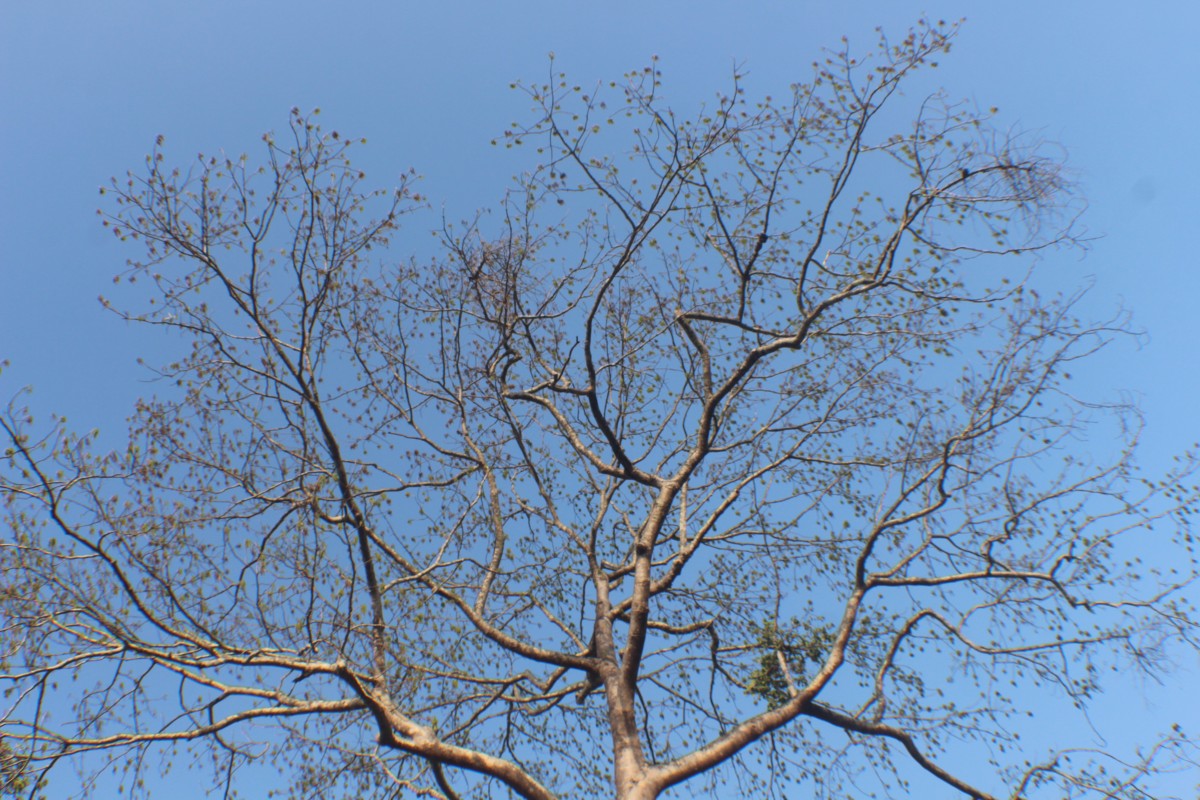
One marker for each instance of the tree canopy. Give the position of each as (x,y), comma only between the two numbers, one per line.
(735,448)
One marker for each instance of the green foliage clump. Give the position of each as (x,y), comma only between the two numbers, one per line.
(799,645)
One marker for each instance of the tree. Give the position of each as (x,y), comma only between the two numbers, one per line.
(721,454)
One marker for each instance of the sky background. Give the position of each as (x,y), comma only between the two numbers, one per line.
(86,86)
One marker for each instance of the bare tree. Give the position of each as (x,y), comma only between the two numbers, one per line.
(722,453)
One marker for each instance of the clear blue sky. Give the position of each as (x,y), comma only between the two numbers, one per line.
(85,86)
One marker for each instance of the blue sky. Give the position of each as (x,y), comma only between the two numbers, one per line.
(86,86)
